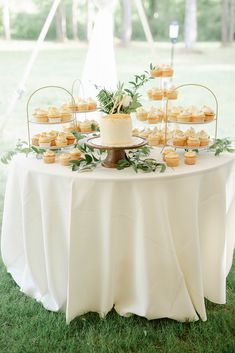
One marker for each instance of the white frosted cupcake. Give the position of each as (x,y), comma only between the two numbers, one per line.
(44,141)
(209,113)
(54,115)
(190,158)
(172,159)
(65,159)
(75,154)
(61,140)
(49,157)
(141,114)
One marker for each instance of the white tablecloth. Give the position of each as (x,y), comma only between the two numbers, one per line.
(150,244)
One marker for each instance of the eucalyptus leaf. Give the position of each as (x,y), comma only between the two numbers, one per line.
(221,145)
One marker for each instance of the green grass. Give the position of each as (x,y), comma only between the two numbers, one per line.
(25,326)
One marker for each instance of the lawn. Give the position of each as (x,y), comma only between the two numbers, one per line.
(25,325)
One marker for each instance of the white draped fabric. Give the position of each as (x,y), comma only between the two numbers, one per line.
(100,67)
(150,244)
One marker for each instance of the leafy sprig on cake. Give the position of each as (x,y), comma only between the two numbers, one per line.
(123,100)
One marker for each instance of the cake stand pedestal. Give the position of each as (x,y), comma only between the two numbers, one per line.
(115,153)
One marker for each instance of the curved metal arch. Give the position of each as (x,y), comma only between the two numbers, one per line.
(196,85)
(36,91)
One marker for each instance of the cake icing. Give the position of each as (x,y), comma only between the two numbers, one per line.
(116,130)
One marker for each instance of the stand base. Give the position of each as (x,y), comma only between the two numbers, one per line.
(113,156)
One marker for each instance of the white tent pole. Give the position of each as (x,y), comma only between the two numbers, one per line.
(21,88)
(145,25)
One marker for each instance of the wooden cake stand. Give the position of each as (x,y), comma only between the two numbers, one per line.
(115,153)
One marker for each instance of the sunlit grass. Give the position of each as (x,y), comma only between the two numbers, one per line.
(27,327)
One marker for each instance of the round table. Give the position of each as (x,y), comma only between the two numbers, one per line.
(154,244)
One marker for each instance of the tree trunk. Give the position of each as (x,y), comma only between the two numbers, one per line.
(190,23)
(61,34)
(75,19)
(227,22)
(6,20)
(126,22)
(153,7)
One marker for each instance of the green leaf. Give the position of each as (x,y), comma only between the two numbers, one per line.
(74,168)
(95,158)
(162,167)
(88,158)
(123,163)
(75,162)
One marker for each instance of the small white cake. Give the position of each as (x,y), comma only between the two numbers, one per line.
(116,130)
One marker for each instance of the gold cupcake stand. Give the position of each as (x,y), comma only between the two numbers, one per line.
(214,120)
(30,121)
(165,103)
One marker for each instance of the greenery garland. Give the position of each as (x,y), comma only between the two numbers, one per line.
(137,159)
(222,145)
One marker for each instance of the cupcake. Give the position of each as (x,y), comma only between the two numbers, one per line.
(190,132)
(40,116)
(204,138)
(157,94)
(172,159)
(167,71)
(141,114)
(65,159)
(197,117)
(209,113)
(172,113)
(54,115)
(71,106)
(70,128)
(171,93)
(153,140)
(70,138)
(156,71)
(179,139)
(75,154)
(44,141)
(154,116)
(190,158)
(35,140)
(53,135)
(193,142)
(165,152)
(85,126)
(81,105)
(49,157)
(65,114)
(184,117)
(61,140)
(91,104)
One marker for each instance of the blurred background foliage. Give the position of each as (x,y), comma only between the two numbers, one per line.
(27,24)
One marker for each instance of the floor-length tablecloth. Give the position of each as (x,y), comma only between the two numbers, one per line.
(150,244)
